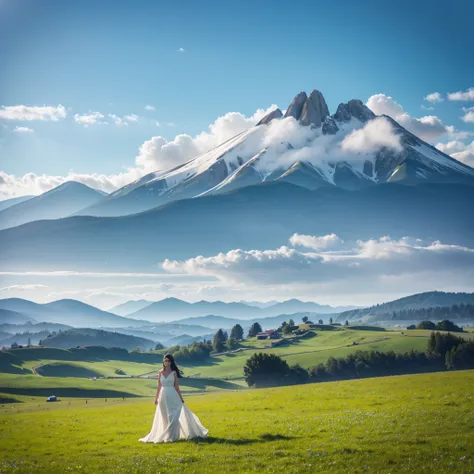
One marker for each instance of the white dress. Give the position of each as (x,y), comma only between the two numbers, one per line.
(173,419)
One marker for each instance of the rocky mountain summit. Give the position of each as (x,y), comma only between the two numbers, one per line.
(251,158)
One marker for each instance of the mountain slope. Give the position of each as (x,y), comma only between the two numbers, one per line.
(213,224)
(59,202)
(12,201)
(129,307)
(432,299)
(8,316)
(174,309)
(70,312)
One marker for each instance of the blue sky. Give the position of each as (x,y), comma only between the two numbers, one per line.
(116,57)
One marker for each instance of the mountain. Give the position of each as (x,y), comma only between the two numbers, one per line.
(170,309)
(59,202)
(96,337)
(219,223)
(32,328)
(220,322)
(70,312)
(12,201)
(431,299)
(129,307)
(297,306)
(251,158)
(8,316)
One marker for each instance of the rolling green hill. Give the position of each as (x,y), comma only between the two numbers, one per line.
(416,423)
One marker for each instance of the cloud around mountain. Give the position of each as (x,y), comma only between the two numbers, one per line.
(370,260)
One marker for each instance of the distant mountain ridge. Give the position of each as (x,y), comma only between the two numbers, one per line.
(56,203)
(431,299)
(170,309)
(187,228)
(70,312)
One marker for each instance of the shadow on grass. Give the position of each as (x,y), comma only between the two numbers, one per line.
(9,400)
(203,384)
(264,438)
(66,370)
(67,392)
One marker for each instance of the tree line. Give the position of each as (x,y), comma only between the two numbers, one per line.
(443,352)
(457,311)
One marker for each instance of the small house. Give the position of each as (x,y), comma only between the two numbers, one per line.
(268,334)
(52,398)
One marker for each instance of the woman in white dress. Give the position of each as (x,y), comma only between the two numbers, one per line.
(173,419)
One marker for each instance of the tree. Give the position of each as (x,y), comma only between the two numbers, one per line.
(254,329)
(346,323)
(159,346)
(287,329)
(219,341)
(231,344)
(291,322)
(426,325)
(237,332)
(265,370)
(447,325)
(226,336)
(305,319)
(320,321)
(461,357)
(330,320)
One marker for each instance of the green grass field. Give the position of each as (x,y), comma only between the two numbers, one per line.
(405,424)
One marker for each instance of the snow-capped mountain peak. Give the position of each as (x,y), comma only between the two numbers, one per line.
(306,146)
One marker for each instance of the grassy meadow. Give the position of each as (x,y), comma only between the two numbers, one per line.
(406,424)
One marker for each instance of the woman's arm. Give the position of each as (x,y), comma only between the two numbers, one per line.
(159,388)
(176,386)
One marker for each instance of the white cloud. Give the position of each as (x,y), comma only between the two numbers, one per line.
(22,287)
(315,243)
(125,120)
(150,108)
(375,134)
(469,115)
(24,112)
(158,153)
(371,259)
(181,50)
(462,95)
(454,134)
(459,151)
(92,118)
(451,147)
(31,183)
(23,130)
(434,97)
(428,128)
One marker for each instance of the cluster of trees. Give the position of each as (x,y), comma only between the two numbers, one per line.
(266,370)
(195,351)
(289,327)
(223,342)
(444,325)
(444,352)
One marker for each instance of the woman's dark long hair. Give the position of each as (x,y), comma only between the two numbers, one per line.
(173,365)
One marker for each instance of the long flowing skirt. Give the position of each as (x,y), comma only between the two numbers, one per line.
(173,420)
